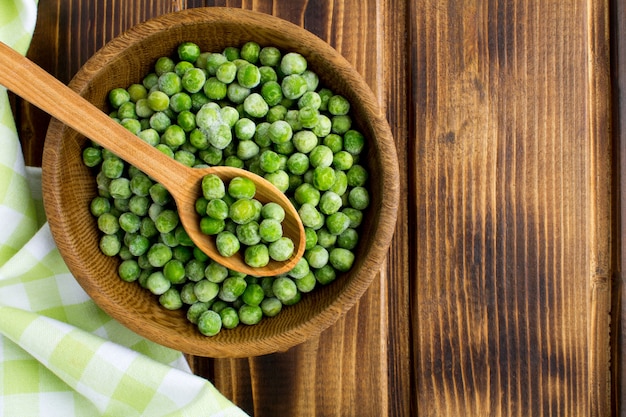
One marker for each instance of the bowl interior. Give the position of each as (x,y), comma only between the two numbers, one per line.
(69,186)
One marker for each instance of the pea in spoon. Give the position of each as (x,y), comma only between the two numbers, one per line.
(32,83)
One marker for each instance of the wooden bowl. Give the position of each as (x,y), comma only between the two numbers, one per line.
(69,186)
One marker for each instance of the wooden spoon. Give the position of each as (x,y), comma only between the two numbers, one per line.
(28,80)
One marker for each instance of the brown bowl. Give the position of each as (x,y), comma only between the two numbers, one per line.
(69,186)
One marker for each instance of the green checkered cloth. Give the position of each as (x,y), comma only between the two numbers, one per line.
(60,355)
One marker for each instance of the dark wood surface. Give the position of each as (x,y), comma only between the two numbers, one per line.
(501,293)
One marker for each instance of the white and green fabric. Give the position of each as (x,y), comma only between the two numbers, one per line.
(60,355)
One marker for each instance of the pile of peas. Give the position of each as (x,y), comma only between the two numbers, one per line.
(250,107)
(236,217)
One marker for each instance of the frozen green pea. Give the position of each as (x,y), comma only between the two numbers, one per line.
(268,73)
(127,111)
(232,288)
(272,92)
(112,167)
(92,156)
(343,160)
(194,270)
(357,176)
(138,244)
(269,161)
(308,117)
(119,188)
(310,99)
(215,89)
(270,55)
(229,115)
(338,105)
(182,253)
(250,315)
(132,125)
(270,230)
(188,51)
(321,156)
(326,274)
(139,205)
(298,163)
(257,256)
(284,289)
(211,226)
(230,317)
(174,271)
(248,233)
(281,249)
(334,142)
(241,187)
(217,208)
(166,221)
(271,306)
(248,76)
(174,136)
(99,205)
(108,223)
(307,193)
(195,310)
(219,135)
(317,256)
(325,238)
(261,136)
(157,283)
(306,283)
(279,179)
(341,259)
(330,202)
(359,198)
(237,93)
(253,295)
(226,72)
(213,187)
(110,245)
(209,323)
(312,80)
(293,86)
(186,120)
(118,96)
(200,141)
(180,102)
(341,183)
(323,127)
(276,113)
(300,270)
(272,210)
(310,235)
(341,124)
(255,105)
(304,141)
(280,131)
(250,51)
(247,149)
(323,178)
(215,272)
(348,239)
(242,211)
(159,254)
(170,83)
(245,128)
(227,244)
(129,270)
(183,67)
(294,121)
(293,63)
(142,108)
(170,299)
(129,222)
(310,216)
(160,121)
(205,290)
(187,295)
(337,223)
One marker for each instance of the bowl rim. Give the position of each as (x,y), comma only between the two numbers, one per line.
(386,149)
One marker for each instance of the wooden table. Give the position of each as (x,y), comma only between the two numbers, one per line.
(502,291)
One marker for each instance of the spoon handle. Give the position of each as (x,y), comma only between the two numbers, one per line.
(32,83)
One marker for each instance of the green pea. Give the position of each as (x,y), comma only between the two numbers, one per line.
(293,86)
(326,274)
(250,51)
(213,187)
(209,323)
(293,63)
(338,105)
(157,283)
(284,289)
(306,283)
(241,187)
(232,288)
(270,56)
(272,92)
(215,89)
(129,270)
(195,310)
(211,226)
(230,317)
(188,51)
(248,233)
(281,249)
(317,256)
(248,76)
(257,256)
(359,198)
(271,306)
(227,244)
(255,105)
(205,290)
(243,211)
(215,272)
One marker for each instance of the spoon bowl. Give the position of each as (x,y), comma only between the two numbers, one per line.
(32,83)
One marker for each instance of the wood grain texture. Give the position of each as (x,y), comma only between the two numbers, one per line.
(499,290)
(512,192)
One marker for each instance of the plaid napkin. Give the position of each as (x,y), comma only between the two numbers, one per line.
(60,355)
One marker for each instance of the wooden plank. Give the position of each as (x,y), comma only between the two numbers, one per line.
(512,181)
